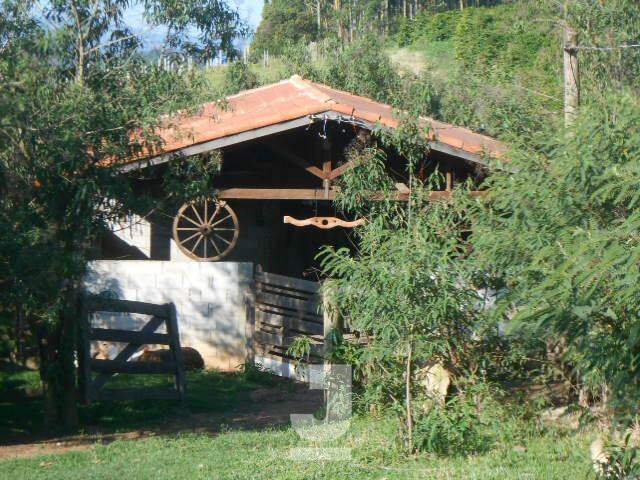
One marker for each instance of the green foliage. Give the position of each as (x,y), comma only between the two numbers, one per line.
(622,460)
(607,24)
(477,42)
(560,234)
(237,77)
(284,22)
(298,61)
(77,69)
(300,350)
(363,68)
(408,291)
(453,428)
(427,26)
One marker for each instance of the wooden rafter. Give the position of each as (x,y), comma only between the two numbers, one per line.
(326,173)
(297,160)
(345,167)
(318,194)
(275,194)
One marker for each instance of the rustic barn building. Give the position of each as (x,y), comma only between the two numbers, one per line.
(283,150)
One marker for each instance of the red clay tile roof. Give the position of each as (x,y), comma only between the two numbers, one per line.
(295,98)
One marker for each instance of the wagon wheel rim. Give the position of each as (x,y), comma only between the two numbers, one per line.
(206,230)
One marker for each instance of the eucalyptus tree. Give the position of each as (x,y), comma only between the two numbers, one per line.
(406,288)
(561,234)
(75,92)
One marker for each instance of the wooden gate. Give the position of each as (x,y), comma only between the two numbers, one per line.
(92,387)
(281,309)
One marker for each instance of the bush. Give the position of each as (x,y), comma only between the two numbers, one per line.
(363,68)
(238,77)
(561,234)
(453,428)
(428,26)
(284,22)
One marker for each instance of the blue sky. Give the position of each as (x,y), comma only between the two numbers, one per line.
(250,10)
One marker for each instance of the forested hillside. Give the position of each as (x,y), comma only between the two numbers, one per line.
(346,20)
(495,66)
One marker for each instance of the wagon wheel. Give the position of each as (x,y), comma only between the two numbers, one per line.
(206,230)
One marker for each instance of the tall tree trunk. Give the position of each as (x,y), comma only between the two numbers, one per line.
(80,44)
(408,381)
(57,367)
(337,7)
(571,70)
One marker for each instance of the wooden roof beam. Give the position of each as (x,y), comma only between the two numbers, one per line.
(299,161)
(319,194)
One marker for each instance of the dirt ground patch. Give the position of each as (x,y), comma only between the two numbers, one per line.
(270,407)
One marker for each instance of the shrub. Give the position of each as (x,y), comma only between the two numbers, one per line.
(238,77)
(363,68)
(453,428)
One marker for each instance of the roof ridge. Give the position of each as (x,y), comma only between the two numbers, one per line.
(310,89)
(315,86)
(256,89)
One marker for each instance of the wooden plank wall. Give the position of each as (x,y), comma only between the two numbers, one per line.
(286,308)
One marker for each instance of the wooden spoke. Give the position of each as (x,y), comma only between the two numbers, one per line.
(220,221)
(214,213)
(215,245)
(193,249)
(191,237)
(195,210)
(198,223)
(189,219)
(223,239)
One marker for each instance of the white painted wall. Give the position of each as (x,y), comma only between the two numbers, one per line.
(209,298)
(135,231)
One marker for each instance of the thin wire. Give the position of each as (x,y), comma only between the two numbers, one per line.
(616,47)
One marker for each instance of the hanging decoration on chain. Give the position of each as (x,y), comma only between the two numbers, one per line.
(324,223)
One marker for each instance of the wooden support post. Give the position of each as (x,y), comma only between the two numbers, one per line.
(449,176)
(250,326)
(571,75)
(174,338)
(84,354)
(331,321)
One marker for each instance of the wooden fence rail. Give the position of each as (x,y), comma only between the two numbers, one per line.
(284,308)
(92,387)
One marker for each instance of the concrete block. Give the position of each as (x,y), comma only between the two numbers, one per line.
(152,295)
(169,281)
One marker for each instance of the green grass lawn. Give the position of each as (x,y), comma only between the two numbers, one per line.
(263,454)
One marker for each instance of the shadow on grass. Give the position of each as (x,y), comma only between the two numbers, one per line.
(210,395)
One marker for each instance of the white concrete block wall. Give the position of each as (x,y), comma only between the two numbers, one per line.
(135,231)
(209,298)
